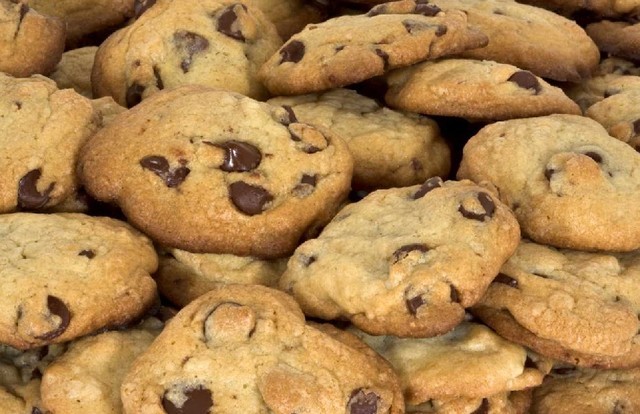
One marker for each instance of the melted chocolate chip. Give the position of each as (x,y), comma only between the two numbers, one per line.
(160,167)
(292,115)
(413,304)
(526,80)
(293,51)
(90,254)
(58,308)
(197,401)
(249,199)
(385,58)
(404,251)
(430,184)
(134,95)
(484,407)
(363,402)
(239,156)
(594,156)
(191,44)
(427,9)
(505,280)
(487,204)
(29,198)
(156,74)
(636,127)
(142,6)
(455,294)
(227,20)
(548,173)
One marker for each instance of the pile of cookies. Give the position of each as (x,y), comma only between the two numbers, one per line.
(287,206)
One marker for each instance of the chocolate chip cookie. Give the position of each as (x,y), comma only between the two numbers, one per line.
(74,70)
(291,16)
(213,171)
(620,115)
(620,39)
(601,86)
(517,402)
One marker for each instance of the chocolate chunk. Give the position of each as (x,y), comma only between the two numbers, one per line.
(484,407)
(548,173)
(29,198)
(526,80)
(239,156)
(414,303)
(404,251)
(249,199)
(134,95)
(487,204)
(197,400)
(293,51)
(58,308)
(90,254)
(142,6)
(160,167)
(636,127)
(292,116)
(306,186)
(430,184)
(307,260)
(309,179)
(363,402)
(505,280)
(426,9)
(455,294)
(228,19)
(156,74)
(594,156)
(385,58)
(191,44)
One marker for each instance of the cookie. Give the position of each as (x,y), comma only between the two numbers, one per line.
(218,43)
(517,402)
(41,131)
(107,108)
(30,42)
(184,276)
(474,89)
(577,307)
(271,360)
(591,91)
(567,181)
(533,39)
(74,70)
(589,10)
(67,275)
(416,258)
(389,148)
(620,39)
(349,49)
(207,170)
(291,16)
(620,115)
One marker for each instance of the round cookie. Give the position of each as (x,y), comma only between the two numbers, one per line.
(389,148)
(30,43)
(474,89)
(263,180)
(218,43)
(533,39)
(416,258)
(578,307)
(620,39)
(67,275)
(183,276)
(517,402)
(620,115)
(41,132)
(350,49)
(569,183)
(74,70)
(271,360)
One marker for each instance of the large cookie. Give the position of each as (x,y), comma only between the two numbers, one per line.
(74,70)
(248,349)
(389,148)
(405,261)
(30,43)
(67,275)
(569,183)
(620,39)
(207,170)
(218,43)
(474,89)
(41,132)
(350,49)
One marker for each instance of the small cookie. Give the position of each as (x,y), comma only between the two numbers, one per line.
(474,89)
(416,258)
(582,307)
(218,43)
(245,349)
(617,38)
(620,115)
(389,148)
(212,171)
(67,275)
(517,402)
(291,16)
(533,39)
(349,49)
(591,91)
(74,70)
(184,276)
(30,43)
(569,183)
(41,131)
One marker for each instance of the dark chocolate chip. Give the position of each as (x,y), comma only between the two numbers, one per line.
(29,198)
(548,173)
(487,204)
(594,156)
(526,80)
(239,156)
(18,104)
(363,402)
(455,294)
(309,179)
(427,9)
(413,304)
(385,58)
(292,115)
(134,95)
(249,199)
(159,83)
(484,407)
(190,43)
(430,184)
(142,6)
(227,20)
(293,51)
(90,254)
(306,187)
(505,280)
(307,260)
(404,251)
(198,400)
(160,167)
(58,308)
(339,48)
(636,127)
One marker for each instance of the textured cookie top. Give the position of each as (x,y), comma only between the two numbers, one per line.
(218,43)
(620,115)
(213,171)
(405,261)
(74,70)
(41,132)
(67,275)
(516,402)
(474,89)
(568,182)
(350,49)
(530,38)
(593,90)
(390,148)
(617,38)
(248,349)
